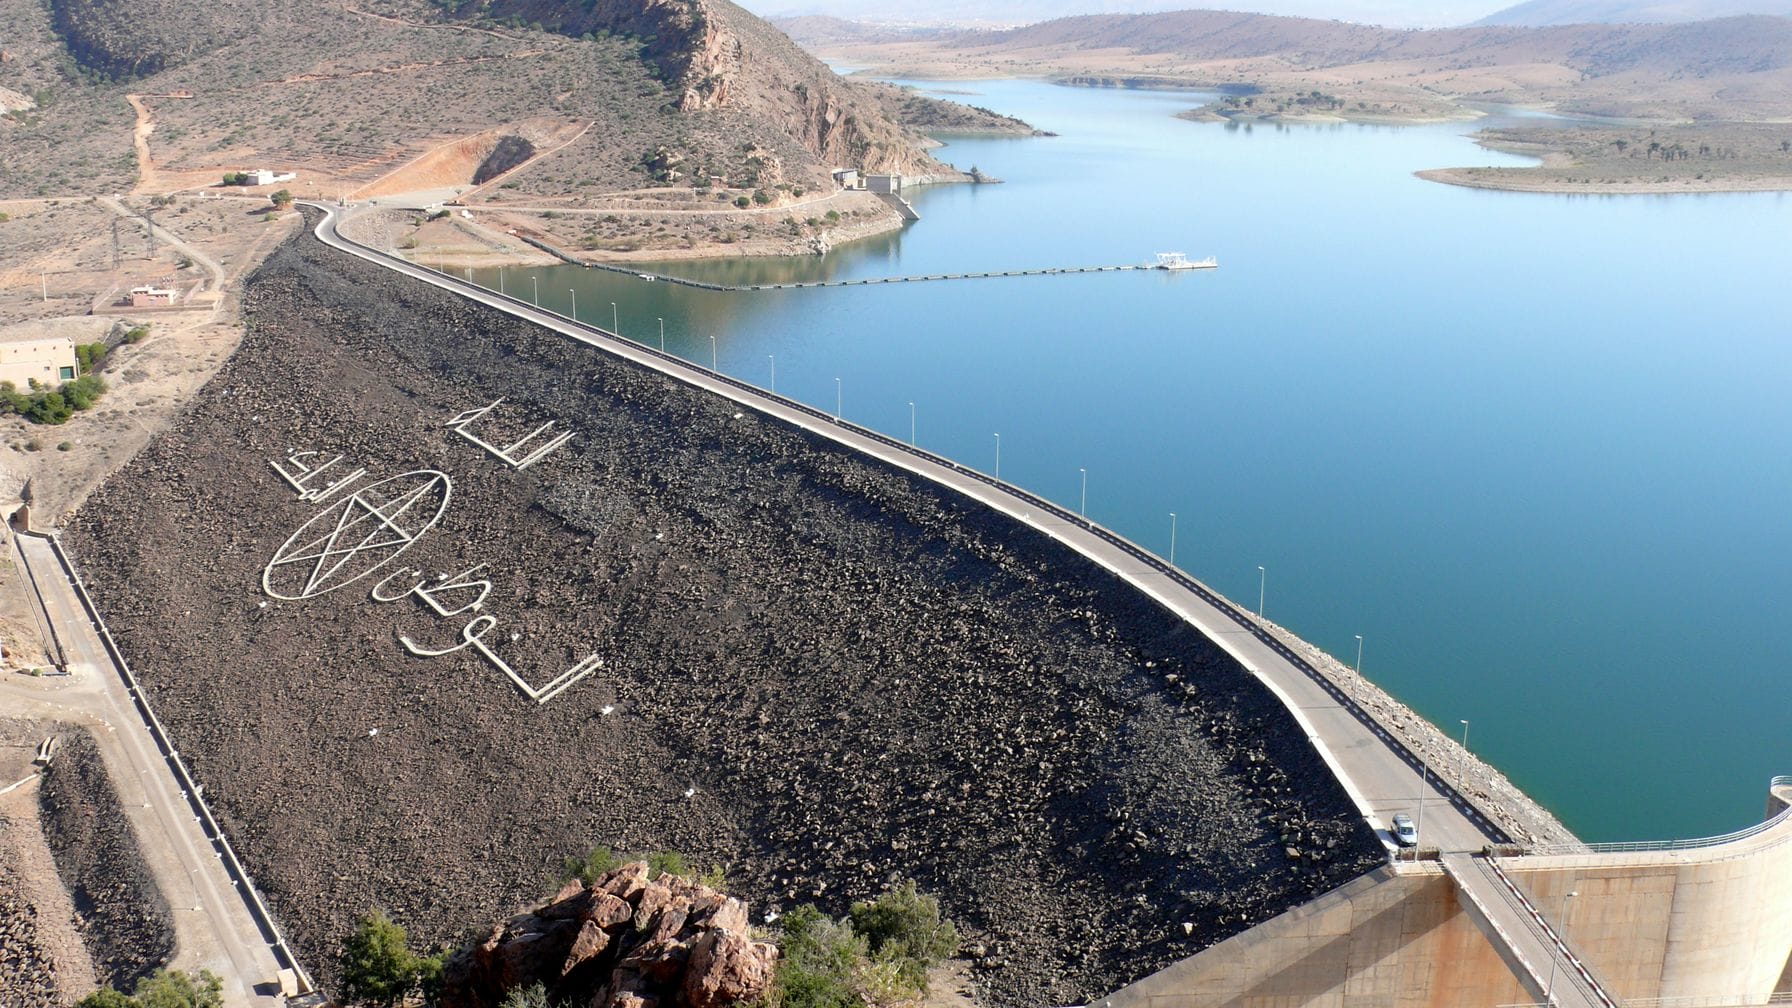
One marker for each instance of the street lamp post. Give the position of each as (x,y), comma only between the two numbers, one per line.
(1083,508)
(998,456)
(662,335)
(911,425)
(837,400)
(1359,654)
(1462,775)
(575,302)
(712,352)
(1262,583)
(615,325)
(1549,993)
(1419,827)
(535,286)
(773,387)
(501,281)
(1172,539)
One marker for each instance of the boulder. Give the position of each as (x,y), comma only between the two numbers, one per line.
(727,968)
(624,941)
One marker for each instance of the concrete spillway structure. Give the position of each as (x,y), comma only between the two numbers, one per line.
(1705,923)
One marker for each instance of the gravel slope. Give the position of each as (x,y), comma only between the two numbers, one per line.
(860,676)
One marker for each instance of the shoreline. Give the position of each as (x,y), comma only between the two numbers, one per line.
(1601,187)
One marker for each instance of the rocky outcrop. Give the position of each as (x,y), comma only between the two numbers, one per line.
(715,57)
(509,152)
(623,941)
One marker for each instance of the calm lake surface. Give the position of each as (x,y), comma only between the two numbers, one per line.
(1533,448)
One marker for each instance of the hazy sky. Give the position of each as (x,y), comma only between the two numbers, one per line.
(1397,13)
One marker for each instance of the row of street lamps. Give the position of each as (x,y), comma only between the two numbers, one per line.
(1082,506)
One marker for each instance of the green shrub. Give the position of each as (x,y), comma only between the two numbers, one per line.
(136,334)
(742,202)
(90,356)
(164,988)
(65,445)
(761,197)
(904,926)
(533,996)
(819,957)
(589,868)
(602,860)
(879,954)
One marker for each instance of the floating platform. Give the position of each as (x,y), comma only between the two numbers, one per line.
(869,281)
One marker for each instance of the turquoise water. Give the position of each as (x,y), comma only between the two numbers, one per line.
(1531,447)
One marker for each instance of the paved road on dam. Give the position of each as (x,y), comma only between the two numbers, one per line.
(1381,775)
(213,926)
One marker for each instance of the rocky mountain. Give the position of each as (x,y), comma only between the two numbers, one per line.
(1537,13)
(1737,68)
(348,93)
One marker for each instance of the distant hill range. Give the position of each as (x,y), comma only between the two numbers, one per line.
(624,92)
(1729,68)
(1540,13)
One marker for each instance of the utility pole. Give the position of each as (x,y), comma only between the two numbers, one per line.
(117,249)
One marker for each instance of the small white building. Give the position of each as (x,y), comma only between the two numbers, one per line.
(151,296)
(267,176)
(49,360)
(846,178)
(887,184)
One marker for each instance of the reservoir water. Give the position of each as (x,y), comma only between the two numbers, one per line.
(1533,448)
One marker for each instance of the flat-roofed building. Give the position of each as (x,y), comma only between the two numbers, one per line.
(151,296)
(49,360)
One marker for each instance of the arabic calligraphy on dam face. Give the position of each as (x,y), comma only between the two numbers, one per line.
(365,530)
(357,535)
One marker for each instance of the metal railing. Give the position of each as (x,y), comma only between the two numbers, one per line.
(1696,843)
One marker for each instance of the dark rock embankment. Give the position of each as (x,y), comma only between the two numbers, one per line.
(122,915)
(822,672)
(27,971)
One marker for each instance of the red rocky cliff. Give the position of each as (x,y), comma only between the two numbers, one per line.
(622,942)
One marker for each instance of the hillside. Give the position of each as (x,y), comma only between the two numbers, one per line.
(588,97)
(1732,69)
(1537,13)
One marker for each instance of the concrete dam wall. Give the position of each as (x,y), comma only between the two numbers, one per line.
(1706,923)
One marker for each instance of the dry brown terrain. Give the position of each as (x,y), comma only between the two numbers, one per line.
(1667,159)
(1715,86)
(65,247)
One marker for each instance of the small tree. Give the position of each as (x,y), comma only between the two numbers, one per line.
(378,966)
(281,199)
